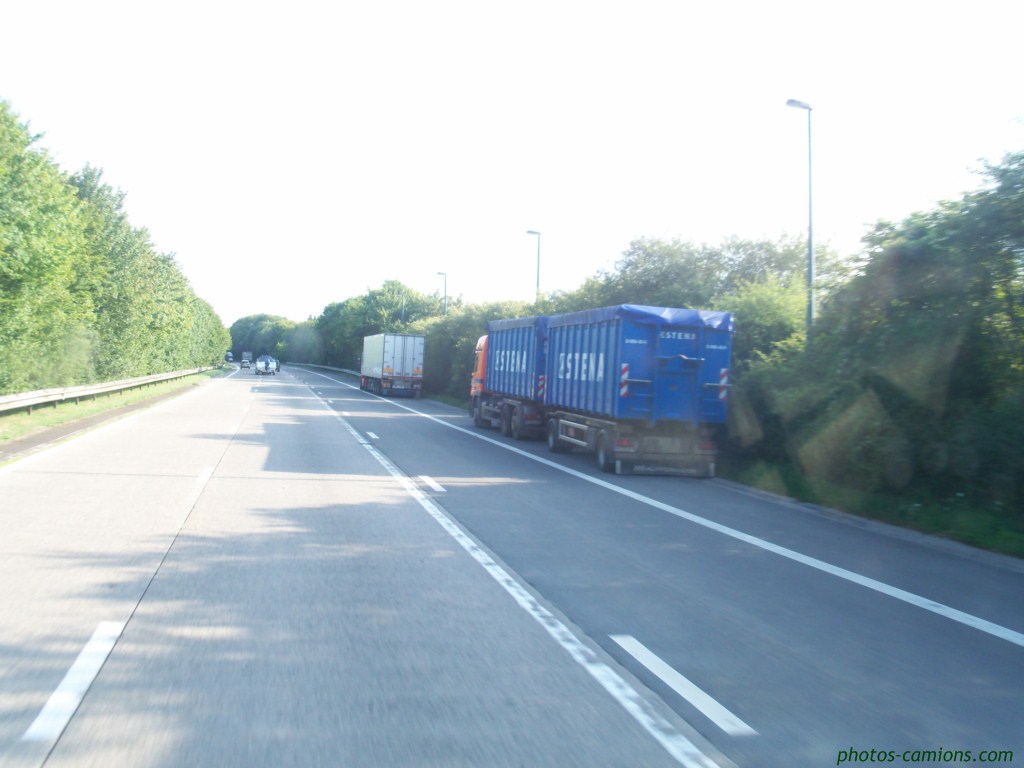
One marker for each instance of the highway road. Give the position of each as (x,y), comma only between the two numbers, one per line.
(284,570)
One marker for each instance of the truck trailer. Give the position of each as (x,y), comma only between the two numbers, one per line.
(644,388)
(392,364)
(507,390)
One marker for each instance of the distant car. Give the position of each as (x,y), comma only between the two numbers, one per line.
(246,364)
(266,365)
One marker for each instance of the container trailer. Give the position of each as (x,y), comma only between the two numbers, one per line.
(507,390)
(644,388)
(392,364)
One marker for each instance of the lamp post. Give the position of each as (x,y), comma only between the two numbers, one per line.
(445,274)
(810,219)
(532,232)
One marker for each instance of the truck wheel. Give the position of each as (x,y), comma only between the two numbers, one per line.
(506,422)
(554,444)
(478,420)
(605,458)
(517,424)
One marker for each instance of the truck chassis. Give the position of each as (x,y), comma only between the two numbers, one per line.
(620,447)
(388,386)
(625,447)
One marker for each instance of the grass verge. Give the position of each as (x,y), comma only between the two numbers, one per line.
(22,424)
(959,517)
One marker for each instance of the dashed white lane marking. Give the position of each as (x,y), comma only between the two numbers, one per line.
(708,706)
(54,716)
(372,436)
(941,609)
(684,751)
(433,484)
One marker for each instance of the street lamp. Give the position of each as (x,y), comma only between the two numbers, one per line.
(445,274)
(810,219)
(532,232)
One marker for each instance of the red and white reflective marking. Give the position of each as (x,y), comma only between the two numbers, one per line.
(541,381)
(624,381)
(723,384)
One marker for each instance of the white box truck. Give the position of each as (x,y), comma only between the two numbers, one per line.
(392,364)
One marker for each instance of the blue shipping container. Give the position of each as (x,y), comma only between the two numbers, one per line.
(515,357)
(642,363)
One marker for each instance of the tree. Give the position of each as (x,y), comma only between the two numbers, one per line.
(120,276)
(46,310)
(914,357)
(392,308)
(303,344)
(261,335)
(758,280)
(450,346)
(767,313)
(83,295)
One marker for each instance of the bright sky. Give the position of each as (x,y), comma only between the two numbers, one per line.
(292,154)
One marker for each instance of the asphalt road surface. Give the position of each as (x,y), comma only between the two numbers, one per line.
(272,571)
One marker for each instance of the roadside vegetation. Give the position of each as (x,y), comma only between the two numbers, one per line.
(84,296)
(906,406)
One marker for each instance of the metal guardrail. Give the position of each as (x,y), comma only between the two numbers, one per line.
(29,400)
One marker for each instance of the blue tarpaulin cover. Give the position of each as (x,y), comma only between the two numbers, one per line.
(640,313)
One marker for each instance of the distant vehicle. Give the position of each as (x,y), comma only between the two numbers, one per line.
(266,366)
(247,356)
(229,357)
(392,364)
(245,363)
(645,388)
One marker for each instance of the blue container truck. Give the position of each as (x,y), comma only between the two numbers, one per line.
(644,388)
(508,386)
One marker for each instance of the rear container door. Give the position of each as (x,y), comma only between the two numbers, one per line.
(714,383)
(680,363)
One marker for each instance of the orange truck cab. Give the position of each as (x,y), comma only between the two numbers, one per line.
(476,383)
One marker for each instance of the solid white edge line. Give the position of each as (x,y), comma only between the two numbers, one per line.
(433,484)
(708,706)
(946,611)
(62,704)
(675,743)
